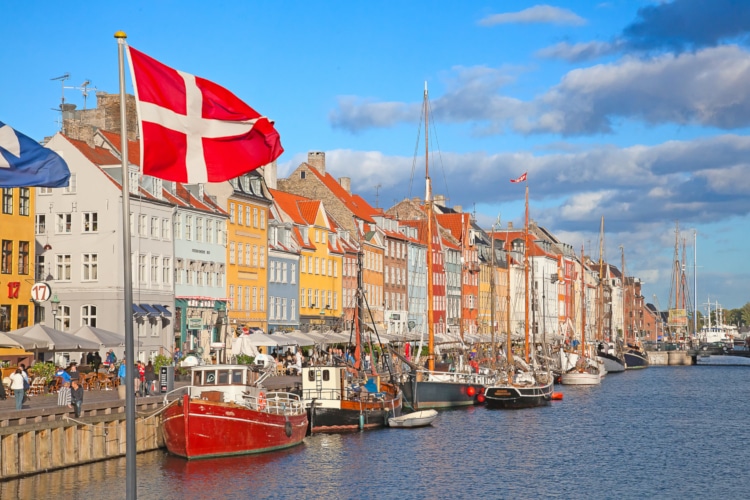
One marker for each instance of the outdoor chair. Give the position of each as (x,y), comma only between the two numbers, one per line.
(104,382)
(37,386)
(55,387)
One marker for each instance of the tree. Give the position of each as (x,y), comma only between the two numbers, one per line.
(745,314)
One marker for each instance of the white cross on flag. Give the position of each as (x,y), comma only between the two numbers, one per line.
(193,130)
(520,179)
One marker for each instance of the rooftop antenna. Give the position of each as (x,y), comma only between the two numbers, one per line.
(61,79)
(84,88)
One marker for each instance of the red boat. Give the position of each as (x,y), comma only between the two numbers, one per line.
(226,412)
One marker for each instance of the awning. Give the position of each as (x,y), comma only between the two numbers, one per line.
(163,310)
(138,312)
(150,310)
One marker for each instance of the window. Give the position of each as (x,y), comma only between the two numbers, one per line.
(23,316)
(165,229)
(142,276)
(188,227)
(63,223)
(231,213)
(248,251)
(283,308)
(142,225)
(263,257)
(40,268)
(165,270)
(209,231)
(23,257)
(293,277)
(262,298)
(89,267)
(239,297)
(178,227)
(247,214)
(302,298)
(199,229)
(45,190)
(154,227)
(239,215)
(7,200)
(317,265)
(302,268)
(247,298)
(154,269)
(262,219)
(330,268)
(255,256)
(283,272)
(231,252)
(40,224)
(255,298)
(71,187)
(178,275)
(240,254)
(7,258)
(88,315)
(24,201)
(62,320)
(255,217)
(89,222)
(310,302)
(62,267)
(231,296)
(292,309)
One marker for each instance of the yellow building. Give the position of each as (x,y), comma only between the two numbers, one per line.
(320,263)
(16,261)
(247,200)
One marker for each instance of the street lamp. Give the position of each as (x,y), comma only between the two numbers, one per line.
(55,306)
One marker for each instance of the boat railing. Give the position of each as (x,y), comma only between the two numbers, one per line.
(323,394)
(277,403)
(457,377)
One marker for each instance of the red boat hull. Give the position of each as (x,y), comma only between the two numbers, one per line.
(196,428)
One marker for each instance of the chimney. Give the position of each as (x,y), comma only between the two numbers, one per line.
(346,183)
(439,199)
(417,199)
(317,160)
(510,225)
(269,175)
(458,208)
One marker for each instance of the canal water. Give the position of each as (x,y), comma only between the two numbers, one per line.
(666,432)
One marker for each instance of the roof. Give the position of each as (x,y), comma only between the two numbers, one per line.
(354,203)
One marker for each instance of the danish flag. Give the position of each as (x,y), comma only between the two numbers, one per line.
(520,179)
(193,130)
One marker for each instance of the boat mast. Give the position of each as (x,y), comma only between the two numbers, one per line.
(624,296)
(526,279)
(464,265)
(428,208)
(583,304)
(695,283)
(492,293)
(600,302)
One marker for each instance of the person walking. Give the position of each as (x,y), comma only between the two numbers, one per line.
(16,385)
(76,397)
(150,378)
(122,372)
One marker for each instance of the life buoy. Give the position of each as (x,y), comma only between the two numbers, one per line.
(261,401)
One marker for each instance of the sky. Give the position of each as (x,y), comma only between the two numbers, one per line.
(636,111)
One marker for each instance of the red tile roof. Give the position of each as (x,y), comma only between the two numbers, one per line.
(354,203)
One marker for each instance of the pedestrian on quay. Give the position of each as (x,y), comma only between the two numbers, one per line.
(150,375)
(16,385)
(141,378)
(76,398)
(122,372)
(96,362)
(63,395)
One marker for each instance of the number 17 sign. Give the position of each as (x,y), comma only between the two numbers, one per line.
(41,292)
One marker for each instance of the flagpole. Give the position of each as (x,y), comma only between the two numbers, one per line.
(131,488)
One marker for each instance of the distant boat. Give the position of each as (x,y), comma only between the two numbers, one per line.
(587,369)
(227,412)
(524,385)
(722,354)
(430,388)
(417,419)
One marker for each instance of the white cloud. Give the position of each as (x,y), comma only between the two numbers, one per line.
(546,14)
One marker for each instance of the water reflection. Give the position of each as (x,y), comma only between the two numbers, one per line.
(658,432)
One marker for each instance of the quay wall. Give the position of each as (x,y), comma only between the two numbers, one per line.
(669,358)
(45,439)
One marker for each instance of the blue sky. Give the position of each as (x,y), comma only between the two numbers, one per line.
(637,111)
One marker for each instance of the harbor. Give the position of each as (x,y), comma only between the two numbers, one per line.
(643,433)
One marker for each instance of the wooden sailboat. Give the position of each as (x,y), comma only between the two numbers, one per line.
(608,350)
(523,383)
(429,388)
(343,397)
(635,356)
(586,371)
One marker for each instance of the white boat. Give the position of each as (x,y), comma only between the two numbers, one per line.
(417,419)
(580,378)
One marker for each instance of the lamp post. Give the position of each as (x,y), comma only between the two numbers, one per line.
(55,306)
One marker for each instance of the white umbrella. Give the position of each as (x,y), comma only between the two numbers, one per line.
(103,337)
(56,340)
(258,338)
(27,342)
(6,341)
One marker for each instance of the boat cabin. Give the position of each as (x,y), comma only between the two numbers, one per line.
(329,384)
(221,382)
